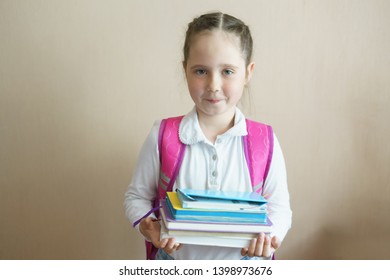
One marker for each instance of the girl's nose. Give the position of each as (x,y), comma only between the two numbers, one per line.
(214,83)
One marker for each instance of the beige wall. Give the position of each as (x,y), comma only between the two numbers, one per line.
(81,83)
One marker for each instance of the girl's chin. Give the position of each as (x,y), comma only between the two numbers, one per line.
(214,112)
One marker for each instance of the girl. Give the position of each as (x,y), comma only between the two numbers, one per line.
(218,65)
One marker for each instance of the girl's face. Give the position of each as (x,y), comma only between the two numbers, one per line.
(216,73)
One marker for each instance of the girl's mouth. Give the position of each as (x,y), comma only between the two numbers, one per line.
(213,101)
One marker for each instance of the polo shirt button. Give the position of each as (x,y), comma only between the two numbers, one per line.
(214,157)
(215,173)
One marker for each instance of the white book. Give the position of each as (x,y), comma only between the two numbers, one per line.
(202,238)
(211,233)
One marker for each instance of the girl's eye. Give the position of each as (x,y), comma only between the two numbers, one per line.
(200,72)
(228,72)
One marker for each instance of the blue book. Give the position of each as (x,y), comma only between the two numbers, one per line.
(252,197)
(192,200)
(180,213)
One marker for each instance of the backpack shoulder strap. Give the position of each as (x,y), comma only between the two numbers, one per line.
(171,151)
(258,149)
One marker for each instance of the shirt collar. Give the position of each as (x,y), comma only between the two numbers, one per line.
(190,132)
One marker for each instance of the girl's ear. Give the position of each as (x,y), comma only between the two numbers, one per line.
(249,71)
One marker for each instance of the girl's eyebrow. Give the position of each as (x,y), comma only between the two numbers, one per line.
(229,66)
(197,66)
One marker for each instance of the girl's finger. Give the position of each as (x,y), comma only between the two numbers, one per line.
(267,247)
(275,242)
(173,249)
(252,247)
(244,251)
(259,245)
(163,243)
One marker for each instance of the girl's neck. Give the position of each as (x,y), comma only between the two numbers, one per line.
(212,126)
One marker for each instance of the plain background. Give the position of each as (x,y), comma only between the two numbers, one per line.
(81,83)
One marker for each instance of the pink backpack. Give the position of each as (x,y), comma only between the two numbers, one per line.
(258,148)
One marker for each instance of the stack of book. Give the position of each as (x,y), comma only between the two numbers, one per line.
(214,217)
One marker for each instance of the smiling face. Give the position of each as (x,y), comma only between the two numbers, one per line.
(216,73)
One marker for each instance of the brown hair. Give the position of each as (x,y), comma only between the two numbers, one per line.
(222,22)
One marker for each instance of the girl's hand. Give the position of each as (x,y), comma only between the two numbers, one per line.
(150,228)
(262,246)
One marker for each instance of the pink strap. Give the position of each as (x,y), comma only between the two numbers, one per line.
(258,146)
(171,150)
(270,152)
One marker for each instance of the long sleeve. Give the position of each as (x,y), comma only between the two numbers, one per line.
(143,186)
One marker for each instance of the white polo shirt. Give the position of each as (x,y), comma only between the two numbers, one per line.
(218,166)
